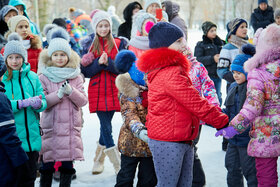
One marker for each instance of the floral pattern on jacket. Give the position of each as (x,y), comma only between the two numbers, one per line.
(261,110)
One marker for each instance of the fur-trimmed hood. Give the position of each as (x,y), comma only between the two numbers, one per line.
(45,60)
(156,59)
(126,86)
(35,41)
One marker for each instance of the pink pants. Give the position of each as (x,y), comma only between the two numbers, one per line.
(267,171)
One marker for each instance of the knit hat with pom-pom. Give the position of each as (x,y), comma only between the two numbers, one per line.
(47,31)
(59,41)
(15,46)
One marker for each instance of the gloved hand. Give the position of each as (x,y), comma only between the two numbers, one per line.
(68,88)
(227,132)
(34,102)
(60,92)
(143,135)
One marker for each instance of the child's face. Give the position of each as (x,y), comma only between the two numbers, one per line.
(212,33)
(263,6)
(144,32)
(239,77)
(103,28)
(152,8)
(242,30)
(10,14)
(15,61)
(59,58)
(277,20)
(179,45)
(23,29)
(20,9)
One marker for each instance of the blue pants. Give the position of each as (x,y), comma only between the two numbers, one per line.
(218,84)
(106,137)
(239,163)
(173,163)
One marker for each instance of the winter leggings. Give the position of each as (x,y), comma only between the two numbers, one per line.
(239,163)
(173,163)
(267,171)
(106,137)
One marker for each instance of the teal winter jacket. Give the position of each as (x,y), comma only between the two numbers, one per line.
(25,84)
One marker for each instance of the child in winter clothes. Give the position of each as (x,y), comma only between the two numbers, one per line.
(32,43)
(207,52)
(12,155)
(260,111)
(98,65)
(175,106)
(61,121)
(132,141)
(237,161)
(277,16)
(25,92)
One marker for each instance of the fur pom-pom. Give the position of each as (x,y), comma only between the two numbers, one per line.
(249,49)
(124,60)
(148,26)
(48,27)
(87,59)
(14,36)
(60,33)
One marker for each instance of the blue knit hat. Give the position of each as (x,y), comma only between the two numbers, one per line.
(237,65)
(15,46)
(125,62)
(164,34)
(3,67)
(262,1)
(6,9)
(233,25)
(59,41)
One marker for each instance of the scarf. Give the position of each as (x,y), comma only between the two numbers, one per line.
(57,75)
(140,42)
(237,41)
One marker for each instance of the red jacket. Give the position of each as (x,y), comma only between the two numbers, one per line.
(102,92)
(175,106)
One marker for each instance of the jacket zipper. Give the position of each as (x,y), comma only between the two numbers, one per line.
(25,114)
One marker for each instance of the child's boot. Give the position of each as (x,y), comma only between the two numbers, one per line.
(66,176)
(98,165)
(46,178)
(114,157)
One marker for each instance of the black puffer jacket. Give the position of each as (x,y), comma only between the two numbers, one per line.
(261,19)
(125,28)
(205,51)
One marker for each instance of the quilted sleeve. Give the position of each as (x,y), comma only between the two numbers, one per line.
(180,88)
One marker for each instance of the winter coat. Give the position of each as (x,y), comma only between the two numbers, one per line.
(261,19)
(11,153)
(205,51)
(102,92)
(134,115)
(172,9)
(61,122)
(34,28)
(261,110)
(25,84)
(125,28)
(33,52)
(234,101)
(175,106)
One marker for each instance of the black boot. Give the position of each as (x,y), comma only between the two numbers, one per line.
(46,178)
(66,176)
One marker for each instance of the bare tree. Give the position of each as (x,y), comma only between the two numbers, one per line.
(192,6)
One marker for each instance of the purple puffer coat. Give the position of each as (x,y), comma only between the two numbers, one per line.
(62,120)
(261,110)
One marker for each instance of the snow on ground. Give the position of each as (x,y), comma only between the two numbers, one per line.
(209,147)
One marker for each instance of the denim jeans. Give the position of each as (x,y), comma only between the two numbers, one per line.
(218,84)
(106,137)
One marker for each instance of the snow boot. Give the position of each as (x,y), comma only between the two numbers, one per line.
(114,157)
(66,176)
(98,165)
(46,178)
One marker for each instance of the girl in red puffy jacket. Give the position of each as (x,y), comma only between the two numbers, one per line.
(98,65)
(32,43)
(175,107)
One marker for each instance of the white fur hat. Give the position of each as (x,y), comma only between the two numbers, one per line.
(100,16)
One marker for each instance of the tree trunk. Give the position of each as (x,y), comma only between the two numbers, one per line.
(192,4)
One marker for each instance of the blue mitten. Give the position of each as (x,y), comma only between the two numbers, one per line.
(227,132)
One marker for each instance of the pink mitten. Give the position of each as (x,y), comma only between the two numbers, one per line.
(87,59)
